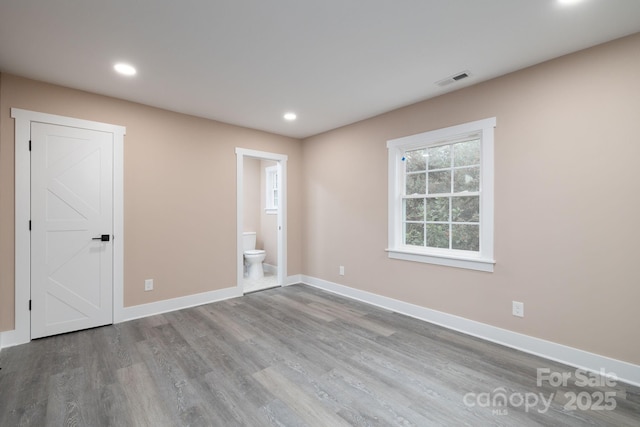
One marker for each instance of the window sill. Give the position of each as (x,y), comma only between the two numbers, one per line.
(470,263)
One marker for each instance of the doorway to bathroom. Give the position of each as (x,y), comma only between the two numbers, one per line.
(261,215)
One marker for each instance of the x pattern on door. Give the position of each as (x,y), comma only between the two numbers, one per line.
(71,185)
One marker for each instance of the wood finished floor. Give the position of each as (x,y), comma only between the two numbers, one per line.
(293,356)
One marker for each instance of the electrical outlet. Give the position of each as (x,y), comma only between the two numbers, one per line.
(148,285)
(518,308)
(342,270)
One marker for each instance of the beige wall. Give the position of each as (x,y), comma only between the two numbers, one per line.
(566,231)
(179,190)
(251,192)
(566,201)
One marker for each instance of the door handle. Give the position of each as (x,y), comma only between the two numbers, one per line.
(103,238)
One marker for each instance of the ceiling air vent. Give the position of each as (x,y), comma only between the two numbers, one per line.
(452,79)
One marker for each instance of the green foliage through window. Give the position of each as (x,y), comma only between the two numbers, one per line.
(442,196)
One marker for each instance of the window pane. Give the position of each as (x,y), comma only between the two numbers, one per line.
(439,157)
(415,160)
(414,209)
(465,209)
(414,234)
(466,153)
(416,184)
(438,209)
(466,179)
(440,182)
(438,235)
(466,237)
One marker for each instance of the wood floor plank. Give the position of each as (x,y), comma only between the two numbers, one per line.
(279,414)
(223,348)
(97,358)
(308,309)
(210,411)
(144,399)
(357,318)
(107,406)
(34,414)
(371,396)
(293,356)
(303,405)
(175,338)
(229,323)
(64,407)
(240,397)
(170,380)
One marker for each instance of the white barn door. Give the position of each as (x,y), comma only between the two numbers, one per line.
(71,229)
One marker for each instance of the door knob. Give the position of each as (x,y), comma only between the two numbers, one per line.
(103,238)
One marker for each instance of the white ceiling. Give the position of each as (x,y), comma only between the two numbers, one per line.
(333,62)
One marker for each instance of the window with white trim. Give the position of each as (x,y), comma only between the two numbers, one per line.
(441,196)
(271,197)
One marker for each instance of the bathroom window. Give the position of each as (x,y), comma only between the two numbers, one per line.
(271,197)
(441,196)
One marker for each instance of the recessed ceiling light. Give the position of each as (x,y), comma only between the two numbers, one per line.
(569,1)
(125,69)
(290,116)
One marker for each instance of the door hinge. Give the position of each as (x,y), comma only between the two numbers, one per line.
(29,225)
(29,305)
(29,145)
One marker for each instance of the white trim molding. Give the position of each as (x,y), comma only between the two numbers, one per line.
(23,118)
(8,339)
(165,306)
(482,259)
(174,304)
(271,179)
(624,371)
(293,280)
(268,268)
(281,160)
(475,263)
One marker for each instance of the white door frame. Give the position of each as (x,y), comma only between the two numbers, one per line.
(23,118)
(281,161)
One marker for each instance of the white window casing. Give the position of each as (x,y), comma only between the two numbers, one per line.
(271,188)
(482,259)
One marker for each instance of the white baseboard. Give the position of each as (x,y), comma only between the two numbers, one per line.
(9,339)
(293,280)
(624,371)
(144,310)
(165,306)
(268,268)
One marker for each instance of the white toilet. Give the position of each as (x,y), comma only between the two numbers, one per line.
(252,257)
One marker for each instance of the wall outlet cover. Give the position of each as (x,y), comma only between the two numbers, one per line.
(518,308)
